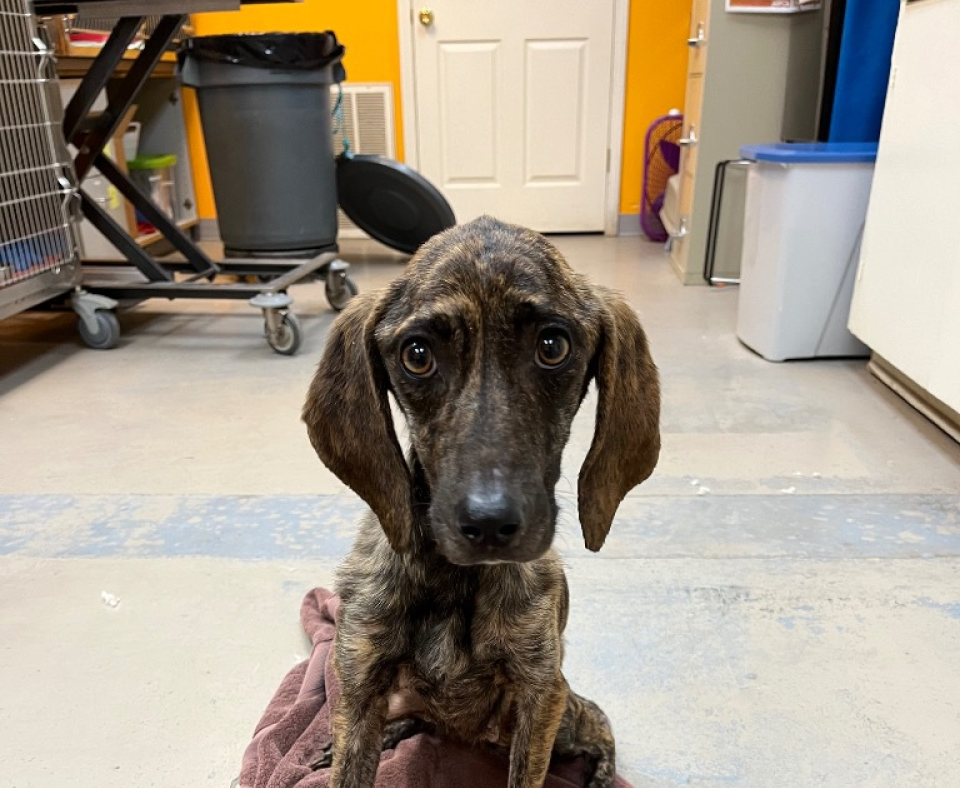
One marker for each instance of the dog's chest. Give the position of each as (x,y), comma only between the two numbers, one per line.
(462,672)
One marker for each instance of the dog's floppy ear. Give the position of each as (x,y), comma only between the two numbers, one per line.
(626,440)
(348,419)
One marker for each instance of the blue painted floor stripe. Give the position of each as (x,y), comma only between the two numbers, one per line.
(243,527)
(323,526)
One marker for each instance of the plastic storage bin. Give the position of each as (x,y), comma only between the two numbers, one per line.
(265,110)
(804,215)
(154,175)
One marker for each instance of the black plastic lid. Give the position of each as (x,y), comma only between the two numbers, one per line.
(287,51)
(390,201)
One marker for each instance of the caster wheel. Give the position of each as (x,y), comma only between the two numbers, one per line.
(107,334)
(288,336)
(340,291)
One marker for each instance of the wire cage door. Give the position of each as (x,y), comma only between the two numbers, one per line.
(39,253)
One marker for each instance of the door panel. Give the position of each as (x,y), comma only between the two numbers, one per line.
(467,111)
(554,158)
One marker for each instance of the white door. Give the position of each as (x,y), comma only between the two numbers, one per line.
(513,108)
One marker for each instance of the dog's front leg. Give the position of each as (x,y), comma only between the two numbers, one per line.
(360,715)
(537,715)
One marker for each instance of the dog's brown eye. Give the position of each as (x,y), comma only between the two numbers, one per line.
(553,348)
(417,359)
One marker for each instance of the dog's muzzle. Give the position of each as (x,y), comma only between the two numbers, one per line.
(493,523)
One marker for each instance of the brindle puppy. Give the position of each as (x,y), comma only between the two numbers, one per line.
(453,602)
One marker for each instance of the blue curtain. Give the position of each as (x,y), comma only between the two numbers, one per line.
(863,70)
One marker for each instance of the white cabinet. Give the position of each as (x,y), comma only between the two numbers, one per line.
(906,303)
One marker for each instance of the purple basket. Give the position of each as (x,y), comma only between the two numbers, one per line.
(661,160)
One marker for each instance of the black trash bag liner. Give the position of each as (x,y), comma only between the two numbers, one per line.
(283,51)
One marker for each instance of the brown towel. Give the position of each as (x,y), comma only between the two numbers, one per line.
(296,727)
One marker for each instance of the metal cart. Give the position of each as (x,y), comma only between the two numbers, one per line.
(39,253)
(197,275)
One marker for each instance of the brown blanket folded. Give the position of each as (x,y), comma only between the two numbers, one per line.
(295,728)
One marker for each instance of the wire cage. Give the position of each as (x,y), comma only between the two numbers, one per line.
(39,253)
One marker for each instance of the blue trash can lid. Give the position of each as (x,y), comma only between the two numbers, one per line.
(811,152)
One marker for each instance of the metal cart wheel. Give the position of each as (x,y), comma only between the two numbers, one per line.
(105,335)
(339,289)
(286,335)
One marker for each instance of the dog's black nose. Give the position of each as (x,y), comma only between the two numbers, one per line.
(489,517)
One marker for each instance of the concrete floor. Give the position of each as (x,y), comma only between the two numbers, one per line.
(779,605)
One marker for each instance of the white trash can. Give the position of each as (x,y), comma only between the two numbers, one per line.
(805,208)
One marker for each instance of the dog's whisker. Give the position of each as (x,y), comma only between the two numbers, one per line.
(571,490)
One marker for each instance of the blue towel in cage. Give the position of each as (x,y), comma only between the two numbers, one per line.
(34,253)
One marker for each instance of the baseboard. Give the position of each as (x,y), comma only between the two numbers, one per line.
(629,224)
(208,230)
(688,277)
(941,414)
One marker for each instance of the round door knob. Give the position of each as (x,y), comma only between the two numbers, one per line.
(426,17)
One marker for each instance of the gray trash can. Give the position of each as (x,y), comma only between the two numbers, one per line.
(265,111)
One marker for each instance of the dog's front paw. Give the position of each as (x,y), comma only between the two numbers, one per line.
(398,730)
(323,760)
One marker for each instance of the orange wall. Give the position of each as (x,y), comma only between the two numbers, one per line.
(656,67)
(656,81)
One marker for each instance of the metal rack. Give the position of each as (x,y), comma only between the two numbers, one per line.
(197,276)
(710,275)
(39,252)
